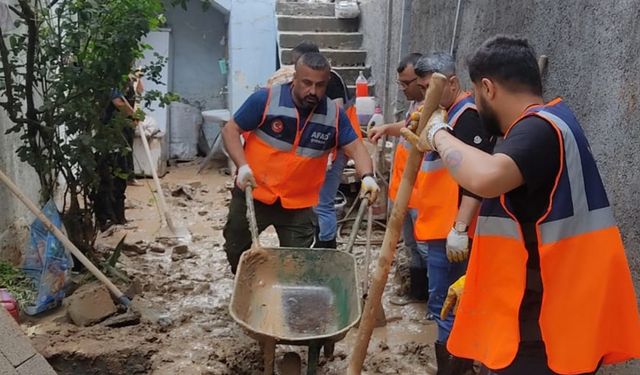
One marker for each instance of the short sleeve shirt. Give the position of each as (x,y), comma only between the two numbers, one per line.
(534,146)
(249,116)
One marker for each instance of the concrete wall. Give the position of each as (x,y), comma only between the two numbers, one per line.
(252,47)
(594,63)
(160,41)
(198,41)
(383,56)
(22,175)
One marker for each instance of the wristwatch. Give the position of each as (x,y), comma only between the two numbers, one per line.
(460,227)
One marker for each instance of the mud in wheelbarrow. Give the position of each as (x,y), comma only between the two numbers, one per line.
(296,296)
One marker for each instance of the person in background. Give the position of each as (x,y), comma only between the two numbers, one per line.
(445,211)
(407,82)
(116,169)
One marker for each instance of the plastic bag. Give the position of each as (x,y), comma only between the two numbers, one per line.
(347,9)
(47,262)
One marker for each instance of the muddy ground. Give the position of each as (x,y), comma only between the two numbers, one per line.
(186,327)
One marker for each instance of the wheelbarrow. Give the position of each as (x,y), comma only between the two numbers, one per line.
(295,296)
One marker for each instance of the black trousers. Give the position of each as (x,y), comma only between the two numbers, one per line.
(295,227)
(531,359)
(109,199)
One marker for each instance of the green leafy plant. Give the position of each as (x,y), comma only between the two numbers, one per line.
(56,75)
(15,281)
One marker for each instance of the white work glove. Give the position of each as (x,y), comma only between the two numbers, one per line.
(245,177)
(369,186)
(457,246)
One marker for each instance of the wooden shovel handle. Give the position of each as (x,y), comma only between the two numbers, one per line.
(392,234)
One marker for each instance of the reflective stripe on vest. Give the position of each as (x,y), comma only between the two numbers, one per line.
(582,267)
(285,152)
(438,204)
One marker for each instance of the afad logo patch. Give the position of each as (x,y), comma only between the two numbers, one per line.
(277,126)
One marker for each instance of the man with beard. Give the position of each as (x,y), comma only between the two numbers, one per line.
(549,289)
(445,211)
(292,130)
(408,83)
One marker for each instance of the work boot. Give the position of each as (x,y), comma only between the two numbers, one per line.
(330,244)
(449,364)
(418,288)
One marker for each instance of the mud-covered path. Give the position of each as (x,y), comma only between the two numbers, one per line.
(186,327)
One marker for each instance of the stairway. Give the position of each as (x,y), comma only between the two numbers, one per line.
(338,39)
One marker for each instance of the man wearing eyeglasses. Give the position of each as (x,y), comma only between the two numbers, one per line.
(407,82)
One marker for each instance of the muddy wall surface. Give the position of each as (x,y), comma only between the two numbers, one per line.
(594,63)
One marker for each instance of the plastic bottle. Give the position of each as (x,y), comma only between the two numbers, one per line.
(362,86)
(377,118)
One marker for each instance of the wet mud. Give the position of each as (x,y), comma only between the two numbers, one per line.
(185,325)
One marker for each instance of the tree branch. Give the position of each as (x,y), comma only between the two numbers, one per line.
(32,38)
(8,78)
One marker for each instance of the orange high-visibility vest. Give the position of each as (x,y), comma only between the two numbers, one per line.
(439,193)
(588,309)
(399,161)
(288,155)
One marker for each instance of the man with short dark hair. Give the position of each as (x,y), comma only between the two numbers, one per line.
(445,212)
(549,289)
(407,82)
(292,130)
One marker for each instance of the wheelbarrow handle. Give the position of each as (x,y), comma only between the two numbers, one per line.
(364,204)
(251,216)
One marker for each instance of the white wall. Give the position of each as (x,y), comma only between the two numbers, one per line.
(252,47)
(160,42)
(21,173)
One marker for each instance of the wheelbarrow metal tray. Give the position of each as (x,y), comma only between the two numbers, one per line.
(295,295)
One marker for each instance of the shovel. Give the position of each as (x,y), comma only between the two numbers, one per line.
(121,297)
(380,318)
(251,218)
(177,231)
(394,225)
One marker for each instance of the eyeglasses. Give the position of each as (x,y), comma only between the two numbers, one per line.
(405,84)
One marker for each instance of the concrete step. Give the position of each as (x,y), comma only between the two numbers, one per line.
(337,57)
(290,39)
(319,23)
(350,73)
(292,8)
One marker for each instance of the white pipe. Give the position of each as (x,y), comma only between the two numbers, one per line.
(455,27)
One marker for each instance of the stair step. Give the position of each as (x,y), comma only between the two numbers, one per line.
(301,9)
(290,39)
(350,73)
(336,57)
(319,23)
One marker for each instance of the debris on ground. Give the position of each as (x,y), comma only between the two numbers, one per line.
(182,299)
(90,304)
